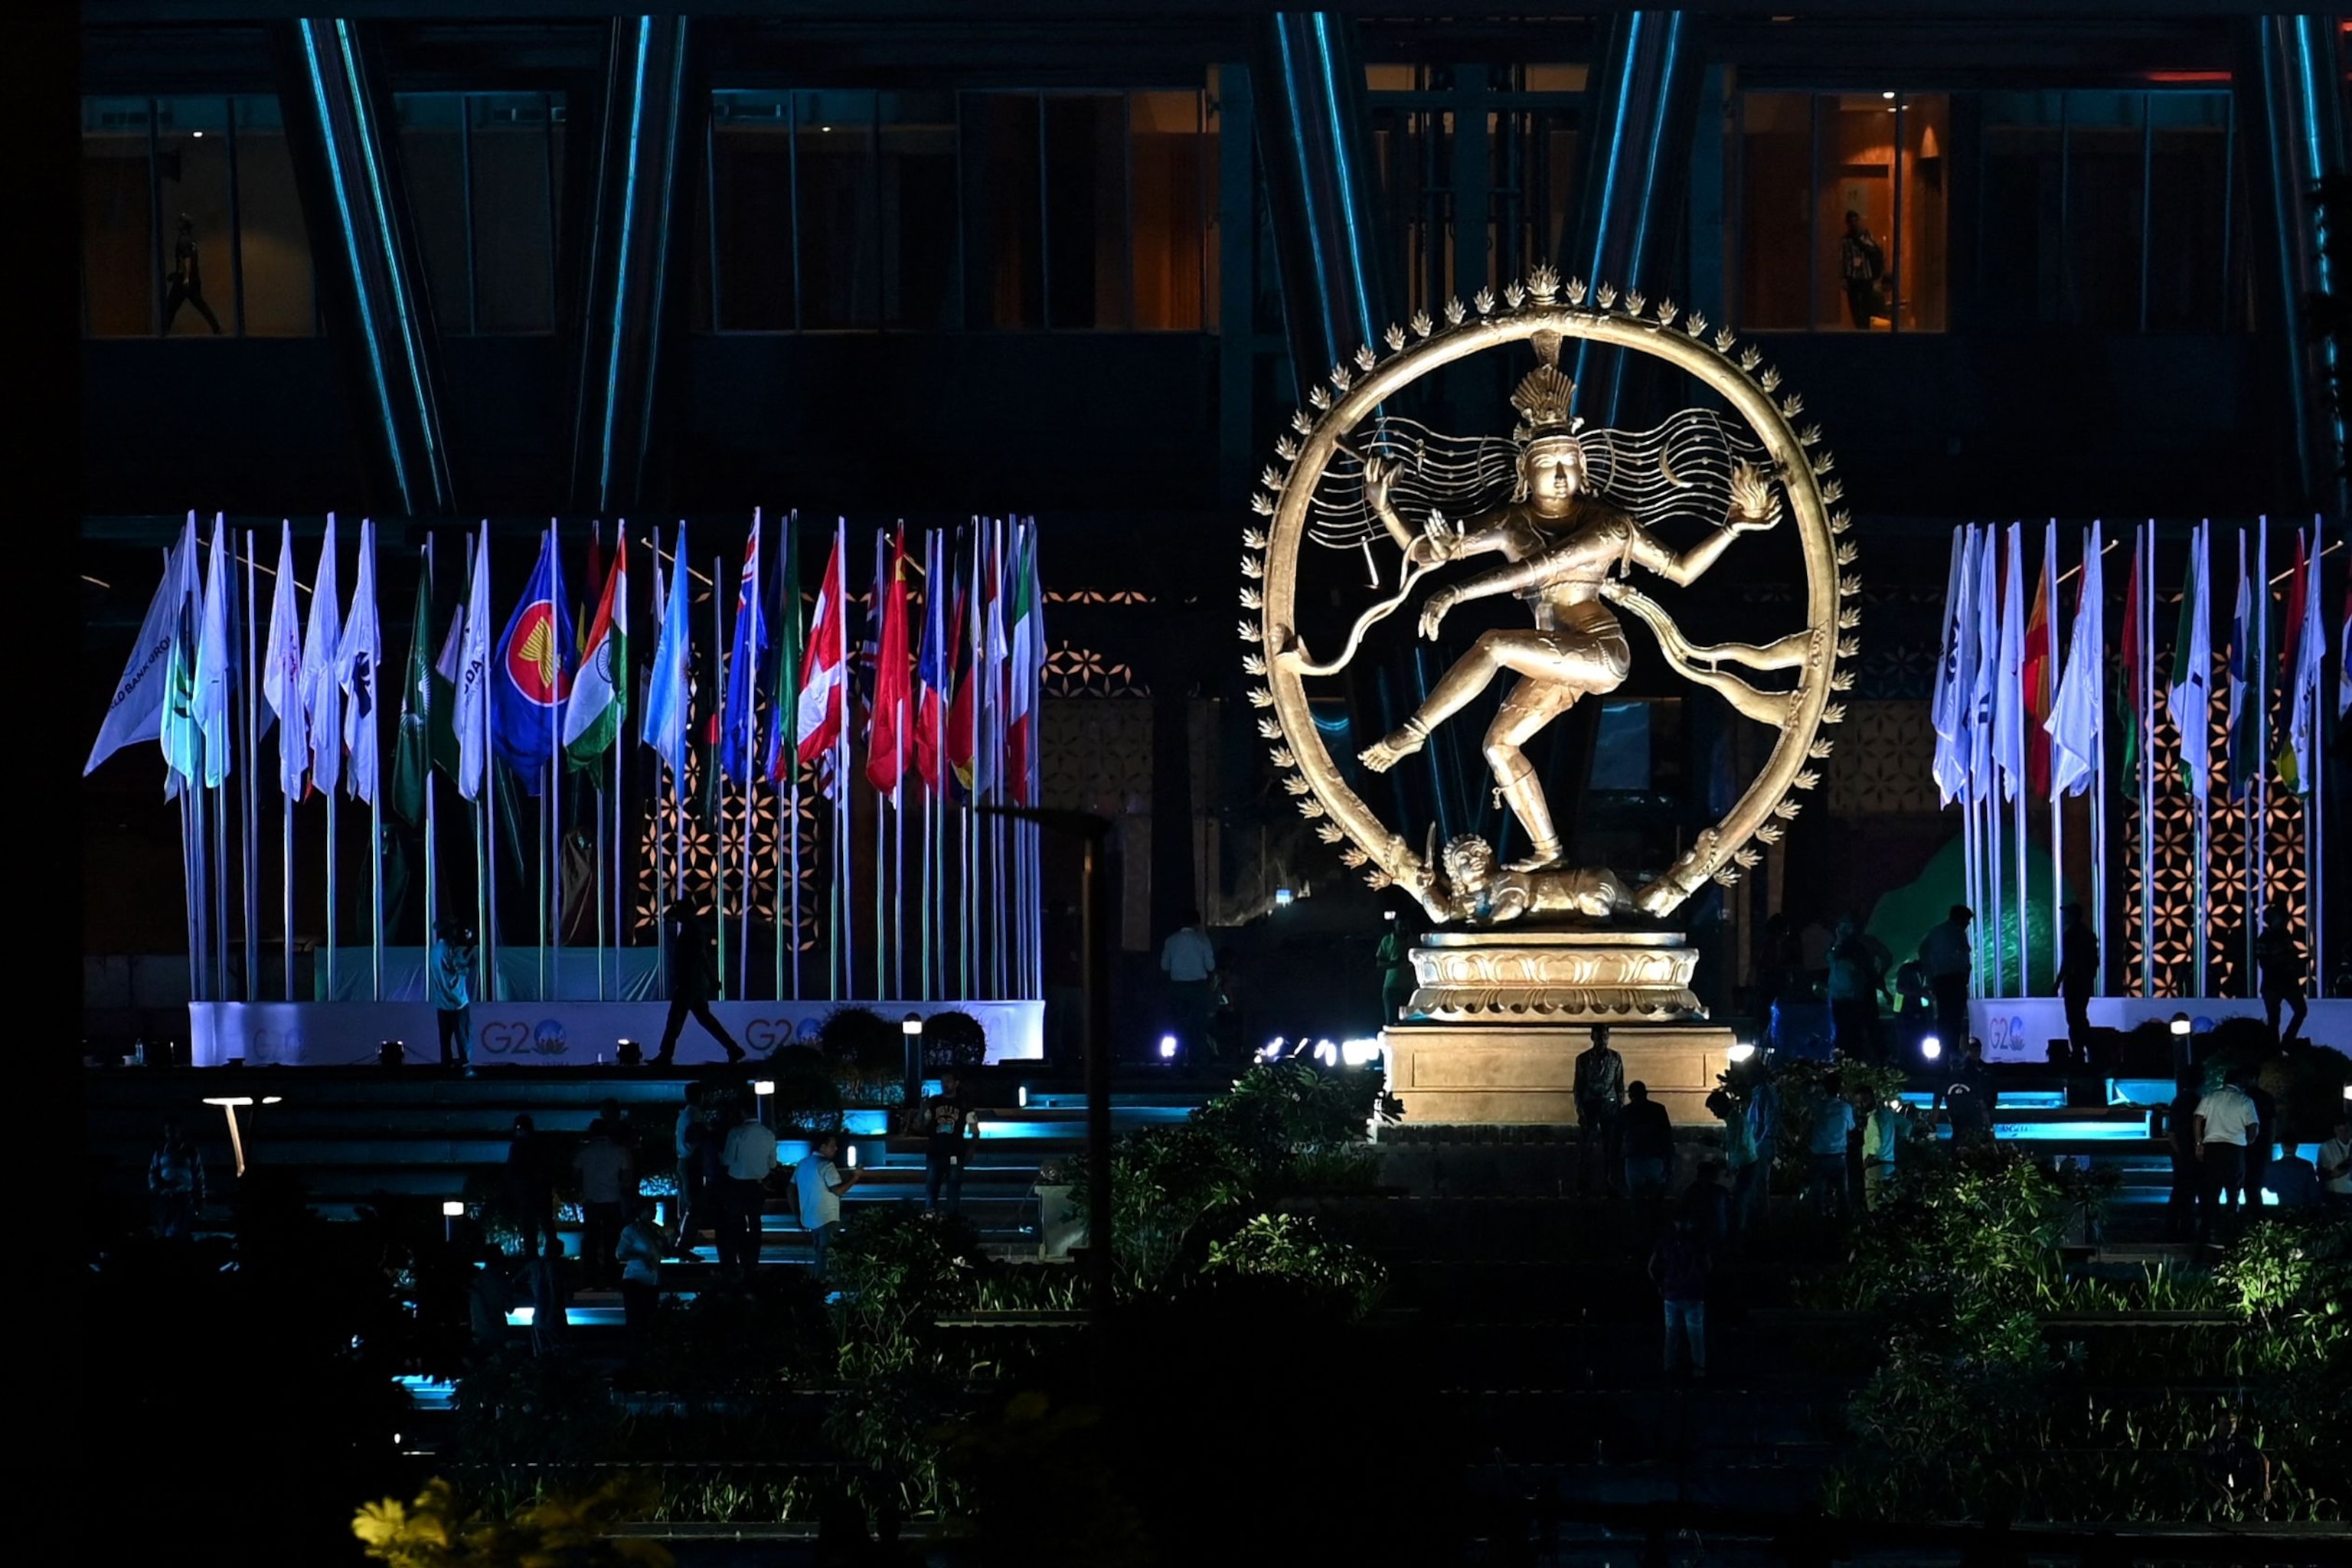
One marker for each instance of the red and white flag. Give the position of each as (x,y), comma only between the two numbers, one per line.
(824,681)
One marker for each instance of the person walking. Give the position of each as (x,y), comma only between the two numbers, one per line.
(1857,979)
(607,1181)
(748,1155)
(2281,960)
(818,1184)
(450,972)
(1861,264)
(949,1121)
(1826,1147)
(693,982)
(687,1138)
(175,1183)
(1881,1135)
(1649,1140)
(187,286)
(2078,980)
(2226,1120)
(639,1250)
(1946,953)
(1679,1267)
(1600,1094)
(1190,962)
(531,1187)
(2180,1133)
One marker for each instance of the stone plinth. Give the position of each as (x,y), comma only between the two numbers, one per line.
(1525,1072)
(1547,976)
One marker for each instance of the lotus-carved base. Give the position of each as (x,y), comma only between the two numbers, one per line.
(1570,976)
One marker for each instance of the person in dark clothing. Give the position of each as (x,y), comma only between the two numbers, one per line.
(947,1126)
(1707,1203)
(1857,979)
(1394,956)
(1948,958)
(1065,969)
(2282,973)
(1679,1268)
(2258,1143)
(1777,963)
(187,282)
(175,1183)
(2180,1128)
(1968,1098)
(693,981)
(1649,1137)
(1599,1091)
(1861,264)
(2078,979)
(530,1186)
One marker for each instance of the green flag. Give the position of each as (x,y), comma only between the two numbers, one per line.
(792,643)
(412,755)
(600,693)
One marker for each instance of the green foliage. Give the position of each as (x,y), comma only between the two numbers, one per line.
(1000,1464)
(1293,1250)
(897,1270)
(1169,1185)
(518,1408)
(862,1041)
(437,1531)
(954,1039)
(739,1342)
(1277,1111)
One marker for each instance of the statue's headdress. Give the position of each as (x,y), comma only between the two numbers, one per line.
(1543,397)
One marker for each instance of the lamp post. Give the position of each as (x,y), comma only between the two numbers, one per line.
(452,1210)
(228,1104)
(2181,1050)
(910,1037)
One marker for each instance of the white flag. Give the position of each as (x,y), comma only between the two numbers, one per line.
(2190,696)
(473,677)
(2009,706)
(1982,772)
(136,712)
(2311,647)
(281,672)
(1956,674)
(209,705)
(322,695)
(2074,722)
(359,662)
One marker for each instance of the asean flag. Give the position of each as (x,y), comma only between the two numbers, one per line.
(532,673)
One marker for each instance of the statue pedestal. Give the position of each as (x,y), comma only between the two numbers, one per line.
(1499,1018)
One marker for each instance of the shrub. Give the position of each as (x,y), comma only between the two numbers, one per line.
(954,1039)
(861,1042)
(439,1531)
(1292,1251)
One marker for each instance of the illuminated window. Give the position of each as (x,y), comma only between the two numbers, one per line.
(483,175)
(938,211)
(190,225)
(1845,211)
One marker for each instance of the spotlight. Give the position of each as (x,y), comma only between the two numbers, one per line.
(1167,1047)
(1326,1052)
(1358,1053)
(2181,1024)
(198,134)
(1741,1050)
(1886,95)
(1930,1048)
(1388,914)
(1283,898)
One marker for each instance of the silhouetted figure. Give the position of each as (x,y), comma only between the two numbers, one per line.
(687,1139)
(947,1126)
(1679,1268)
(1649,1139)
(1777,966)
(187,281)
(1861,264)
(2335,1167)
(2282,972)
(1394,956)
(2078,979)
(1883,1133)
(693,982)
(451,981)
(1190,962)
(551,1298)
(607,1179)
(1739,1161)
(175,1183)
(2291,1179)
(530,1186)
(1857,975)
(2226,1120)
(1764,1131)
(488,1295)
(2180,1128)
(638,1251)
(1825,1168)
(2258,1142)
(1946,953)
(1966,1098)
(750,1153)
(1600,1090)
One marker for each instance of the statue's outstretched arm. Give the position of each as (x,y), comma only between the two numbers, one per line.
(1753,507)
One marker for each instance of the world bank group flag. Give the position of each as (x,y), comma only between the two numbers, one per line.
(531,675)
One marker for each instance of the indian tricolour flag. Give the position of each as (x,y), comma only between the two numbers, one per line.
(599,693)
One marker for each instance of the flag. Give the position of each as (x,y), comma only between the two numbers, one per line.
(281,672)
(820,705)
(2190,696)
(2306,645)
(1984,773)
(447,665)
(2073,722)
(182,740)
(357,660)
(215,673)
(412,754)
(791,648)
(2037,675)
(1027,668)
(932,687)
(664,726)
(473,675)
(2009,701)
(322,696)
(532,673)
(962,684)
(583,626)
(980,687)
(135,712)
(2135,662)
(889,746)
(996,660)
(744,668)
(2246,700)
(600,696)
(1950,710)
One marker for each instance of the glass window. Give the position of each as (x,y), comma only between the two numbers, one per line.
(480,172)
(273,247)
(1621,747)
(1004,280)
(833,168)
(918,149)
(1845,209)
(2105,202)
(433,166)
(2192,218)
(190,225)
(1172,158)
(1085,211)
(751,216)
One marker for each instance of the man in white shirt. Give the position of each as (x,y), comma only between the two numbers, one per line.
(607,1180)
(2226,1118)
(750,1156)
(819,1183)
(2336,1166)
(1190,964)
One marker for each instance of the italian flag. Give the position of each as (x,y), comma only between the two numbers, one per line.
(1020,705)
(599,693)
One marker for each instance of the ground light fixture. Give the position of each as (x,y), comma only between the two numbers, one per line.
(849,1156)
(2181,1024)
(1360,1053)
(1283,898)
(1167,1047)
(1272,1051)
(1930,1046)
(228,1104)
(1024,1096)
(452,1210)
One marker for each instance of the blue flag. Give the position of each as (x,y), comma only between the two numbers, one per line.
(736,723)
(664,727)
(531,675)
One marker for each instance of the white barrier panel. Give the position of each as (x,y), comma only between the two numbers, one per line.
(553,1034)
(2020,1028)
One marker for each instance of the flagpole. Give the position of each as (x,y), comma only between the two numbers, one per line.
(249,835)
(717,782)
(2201,557)
(2095,545)
(2258,692)
(2316,795)
(2053,669)
(220,815)
(484,816)
(432,838)
(188,883)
